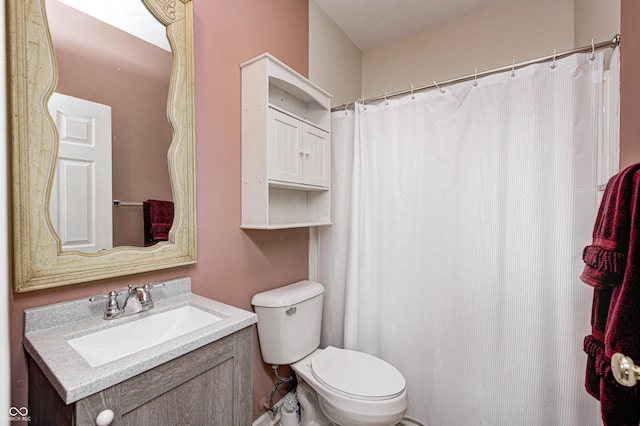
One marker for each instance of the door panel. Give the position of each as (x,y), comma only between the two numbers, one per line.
(316,156)
(81,196)
(285,149)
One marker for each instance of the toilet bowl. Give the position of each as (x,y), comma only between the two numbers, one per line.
(353,388)
(341,386)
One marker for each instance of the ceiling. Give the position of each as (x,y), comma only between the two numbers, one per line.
(371,23)
(129,16)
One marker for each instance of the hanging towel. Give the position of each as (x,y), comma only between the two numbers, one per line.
(613,270)
(158,218)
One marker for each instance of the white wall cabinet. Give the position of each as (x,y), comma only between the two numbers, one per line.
(286,148)
(298,152)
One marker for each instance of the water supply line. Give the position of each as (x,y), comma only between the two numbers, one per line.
(274,408)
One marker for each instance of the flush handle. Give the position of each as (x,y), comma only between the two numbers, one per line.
(291,311)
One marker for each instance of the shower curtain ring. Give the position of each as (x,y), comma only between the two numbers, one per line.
(439,88)
(593,50)
(553,64)
(475,78)
(513,68)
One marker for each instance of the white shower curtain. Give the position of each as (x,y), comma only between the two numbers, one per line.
(459,221)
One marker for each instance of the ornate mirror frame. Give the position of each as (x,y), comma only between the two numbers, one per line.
(38,260)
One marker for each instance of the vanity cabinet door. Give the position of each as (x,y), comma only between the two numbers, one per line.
(209,386)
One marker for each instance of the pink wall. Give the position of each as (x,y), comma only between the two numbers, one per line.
(233,264)
(629,83)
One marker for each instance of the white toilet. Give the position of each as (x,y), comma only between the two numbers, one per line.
(338,386)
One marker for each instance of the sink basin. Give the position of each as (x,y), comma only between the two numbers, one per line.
(113,343)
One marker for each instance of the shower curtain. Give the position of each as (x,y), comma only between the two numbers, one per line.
(459,218)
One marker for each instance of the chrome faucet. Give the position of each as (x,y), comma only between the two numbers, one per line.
(142,301)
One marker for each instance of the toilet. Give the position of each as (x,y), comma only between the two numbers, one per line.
(335,386)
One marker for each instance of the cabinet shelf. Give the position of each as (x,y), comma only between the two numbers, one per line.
(286,148)
(287,225)
(293,115)
(298,186)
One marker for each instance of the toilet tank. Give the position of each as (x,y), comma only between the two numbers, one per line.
(289,321)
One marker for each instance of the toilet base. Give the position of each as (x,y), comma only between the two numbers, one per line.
(313,409)
(310,412)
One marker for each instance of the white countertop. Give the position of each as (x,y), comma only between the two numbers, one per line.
(48,328)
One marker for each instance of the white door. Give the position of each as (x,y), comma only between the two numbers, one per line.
(285,152)
(317,153)
(81,197)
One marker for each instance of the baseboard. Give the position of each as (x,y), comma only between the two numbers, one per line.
(268,419)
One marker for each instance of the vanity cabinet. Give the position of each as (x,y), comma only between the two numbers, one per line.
(286,148)
(208,386)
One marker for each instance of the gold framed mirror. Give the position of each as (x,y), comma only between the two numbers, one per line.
(40,261)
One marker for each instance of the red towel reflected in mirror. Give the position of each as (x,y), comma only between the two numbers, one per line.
(158,218)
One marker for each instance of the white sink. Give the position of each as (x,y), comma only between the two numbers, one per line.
(113,343)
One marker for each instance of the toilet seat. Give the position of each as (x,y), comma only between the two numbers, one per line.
(356,374)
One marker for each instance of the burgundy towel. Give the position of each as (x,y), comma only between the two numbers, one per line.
(613,270)
(158,218)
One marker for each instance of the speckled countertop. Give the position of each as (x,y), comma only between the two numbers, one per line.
(48,328)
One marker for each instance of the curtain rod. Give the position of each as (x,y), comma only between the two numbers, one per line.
(614,42)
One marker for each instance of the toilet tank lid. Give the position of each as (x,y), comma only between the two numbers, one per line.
(288,295)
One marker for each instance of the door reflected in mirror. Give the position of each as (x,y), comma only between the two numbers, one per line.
(110,111)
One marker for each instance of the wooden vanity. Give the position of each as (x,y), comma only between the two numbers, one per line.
(208,386)
(200,377)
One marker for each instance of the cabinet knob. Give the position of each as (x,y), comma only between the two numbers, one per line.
(307,153)
(104,418)
(301,152)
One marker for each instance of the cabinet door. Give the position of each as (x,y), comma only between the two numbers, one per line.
(285,153)
(208,386)
(317,154)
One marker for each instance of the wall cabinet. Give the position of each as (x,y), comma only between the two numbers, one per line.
(208,386)
(286,148)
(297,152)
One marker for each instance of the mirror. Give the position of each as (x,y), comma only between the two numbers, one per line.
(109,106)
(39,260)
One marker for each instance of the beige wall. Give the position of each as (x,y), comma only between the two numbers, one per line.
(596,19)
(335,63)
(489,38)
(629,83)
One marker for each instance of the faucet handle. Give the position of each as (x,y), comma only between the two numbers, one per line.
(144,295)
(110,295)
(113,308)
(150,286)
